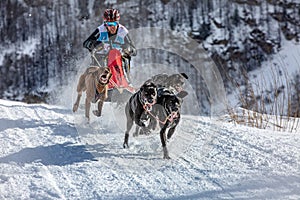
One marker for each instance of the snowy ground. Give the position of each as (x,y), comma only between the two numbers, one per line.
(46,152)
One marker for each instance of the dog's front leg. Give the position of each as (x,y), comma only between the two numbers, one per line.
(105,93)
(172,130)
(100,106)
(98,112)
(163,141)
(87,108)
(137,118)
(141,128)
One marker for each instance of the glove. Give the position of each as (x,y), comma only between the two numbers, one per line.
(126,53)
(89,45)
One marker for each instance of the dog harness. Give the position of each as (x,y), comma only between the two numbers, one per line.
(100,88)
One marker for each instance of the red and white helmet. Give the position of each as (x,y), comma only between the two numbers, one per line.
(111,15)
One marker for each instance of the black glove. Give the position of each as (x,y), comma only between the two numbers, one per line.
(125,53)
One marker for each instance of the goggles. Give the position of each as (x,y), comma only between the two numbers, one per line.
(111,23)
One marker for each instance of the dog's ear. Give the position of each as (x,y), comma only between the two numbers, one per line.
(144,85)
(149,83)
(184,75)
(142,88)
(182,94)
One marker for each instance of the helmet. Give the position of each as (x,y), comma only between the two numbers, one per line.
(111,15)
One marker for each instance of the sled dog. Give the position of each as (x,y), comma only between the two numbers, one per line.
(166,112)
(94,81)
(139,103)
(174,82)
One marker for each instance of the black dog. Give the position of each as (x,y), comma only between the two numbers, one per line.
(166,112)
(139,103)
(173,83)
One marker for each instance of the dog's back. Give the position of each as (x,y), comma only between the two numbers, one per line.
(81,86)
(159,79)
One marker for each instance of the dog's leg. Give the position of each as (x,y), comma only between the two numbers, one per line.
(129,116)
(100,106)
(129,126)
(76,104)
(163,141)
(171,132)
(136,133)
(152,122)
(99,111)
(87,108)
(137,118)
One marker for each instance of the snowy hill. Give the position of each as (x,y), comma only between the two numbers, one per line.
(47,152)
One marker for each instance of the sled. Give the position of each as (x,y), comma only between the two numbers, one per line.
(119,88)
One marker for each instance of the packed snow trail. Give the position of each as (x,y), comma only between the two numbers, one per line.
(47,152)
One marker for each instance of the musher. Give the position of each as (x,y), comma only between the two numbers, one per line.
(110,35)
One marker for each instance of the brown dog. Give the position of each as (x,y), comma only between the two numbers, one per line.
(94,81)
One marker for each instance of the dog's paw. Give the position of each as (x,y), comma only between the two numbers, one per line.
(166,153)
(97,113)
(75,107)
(125,145)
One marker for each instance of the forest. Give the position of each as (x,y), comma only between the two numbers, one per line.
(41,42)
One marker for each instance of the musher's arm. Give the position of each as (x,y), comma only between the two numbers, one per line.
(91,42)
(129,48)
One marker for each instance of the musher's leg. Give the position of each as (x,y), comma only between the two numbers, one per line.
(126,68)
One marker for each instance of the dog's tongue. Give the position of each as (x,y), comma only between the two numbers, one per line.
(103,79)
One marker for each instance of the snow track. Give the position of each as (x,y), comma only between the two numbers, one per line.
(47,152)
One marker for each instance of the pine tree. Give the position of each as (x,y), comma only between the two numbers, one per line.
(236,17)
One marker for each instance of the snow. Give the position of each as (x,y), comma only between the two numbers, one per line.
(278,71)
(47,152)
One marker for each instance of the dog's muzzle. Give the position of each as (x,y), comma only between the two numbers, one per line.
(147,105)
(104,78)
(178,87)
